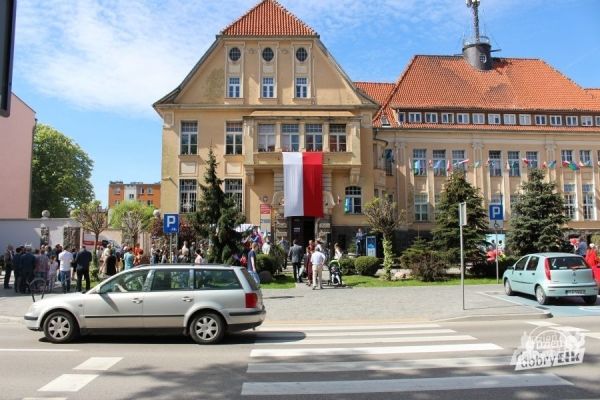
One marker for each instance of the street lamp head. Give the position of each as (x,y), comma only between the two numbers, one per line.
(156,213)
(45,214)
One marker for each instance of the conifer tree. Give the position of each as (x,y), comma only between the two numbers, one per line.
(446,234)
(538,217)
(217,216)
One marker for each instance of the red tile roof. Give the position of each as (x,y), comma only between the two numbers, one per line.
(378,91)
(594,92)
(268,18)
(513,85)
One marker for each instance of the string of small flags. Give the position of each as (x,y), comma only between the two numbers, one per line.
(448,165)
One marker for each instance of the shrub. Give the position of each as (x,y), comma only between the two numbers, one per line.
(488,269)
(266,263)
(347,266)
(366,265)
(279,256)
(426,265)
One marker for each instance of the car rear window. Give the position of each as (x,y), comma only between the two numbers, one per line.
(216,279)
(249,279)
(557,263)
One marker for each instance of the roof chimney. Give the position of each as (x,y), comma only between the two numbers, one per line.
(477,49)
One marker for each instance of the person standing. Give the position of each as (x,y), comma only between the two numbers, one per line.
(17,268)
(359,242)
(65,258)
(318,260)
(337,252)
(27,267)
(295,255)
(591,256)
(128,259)
(582,247)
(266,247)
(83,260)
(198,260)
(52,270)
(41,265)
(111,264)
(252,266)
(8,265)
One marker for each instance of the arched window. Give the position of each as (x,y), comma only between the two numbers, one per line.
(353,200)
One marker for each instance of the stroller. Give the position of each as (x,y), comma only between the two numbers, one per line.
(335,274)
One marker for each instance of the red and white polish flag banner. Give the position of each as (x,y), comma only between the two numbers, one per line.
(303,184)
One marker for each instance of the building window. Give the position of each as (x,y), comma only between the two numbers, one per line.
(459,160)
(462,118)
(510,119)
(233,138)
(494,119)
(337,137)
(421,207)
(314,137)
(597,118)
(266,137)
(401,117)
(353,200)
(420,162)
(439,162)
(495,161)
(388,155)
(290,137)
(302,88)
(117,191)
(431,118)
(572,120)
(532,159)
(479,119)
(414,117)
(566,155)
(587,190)
(233,87)
(514,163)
(268,87)
(189,137)
(524,119)
(585,158)
(541,120)
(149,202)
(447,118)
(149,191)
(555,120)
(234,190)
(131,196)
(235,54)
(586,121)
(384,121)
(187,195)
(570,201)
(142,190)
(301,54)
(268,54)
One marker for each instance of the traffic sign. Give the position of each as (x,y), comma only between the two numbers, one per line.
(496,212)
(171,223)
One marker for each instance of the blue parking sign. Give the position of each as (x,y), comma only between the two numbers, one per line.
(496,212)
(171,223)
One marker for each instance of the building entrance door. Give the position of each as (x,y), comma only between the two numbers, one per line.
(302,229)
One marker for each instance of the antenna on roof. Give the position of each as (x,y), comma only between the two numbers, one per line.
(474,4)
(477,49)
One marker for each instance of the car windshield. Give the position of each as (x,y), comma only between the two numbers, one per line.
(557,263)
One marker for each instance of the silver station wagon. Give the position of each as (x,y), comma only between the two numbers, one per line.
(549,275)
(202,301)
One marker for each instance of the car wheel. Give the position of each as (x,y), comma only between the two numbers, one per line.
(507,289)
(60,327)
(207,328)
(590,300)
(541,296)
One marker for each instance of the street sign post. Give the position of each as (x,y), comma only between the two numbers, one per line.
(171,227)
(462,221)
(497,222)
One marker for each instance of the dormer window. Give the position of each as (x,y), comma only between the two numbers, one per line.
(586,121)
(462,118)
(384,121)
(414,117)
(572,120)
(479,119)
(447,118)
(540,120)
(555,120)
(494,119)
(401,117)
(431,118)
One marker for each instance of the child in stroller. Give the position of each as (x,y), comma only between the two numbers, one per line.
(335,273)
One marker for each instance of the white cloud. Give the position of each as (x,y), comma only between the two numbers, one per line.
(121,56)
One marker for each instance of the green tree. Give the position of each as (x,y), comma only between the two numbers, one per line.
(538,217)
(60,173)
(446,234)
(133,218)
(383,217)
(216,217)
(93,219)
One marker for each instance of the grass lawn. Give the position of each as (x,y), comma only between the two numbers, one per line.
(280,282)
(370,281)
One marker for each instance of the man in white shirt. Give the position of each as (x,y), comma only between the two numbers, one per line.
(266,247)
(317,260)
(65,258)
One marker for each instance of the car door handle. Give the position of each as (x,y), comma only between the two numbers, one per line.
(186,298)
(136,300)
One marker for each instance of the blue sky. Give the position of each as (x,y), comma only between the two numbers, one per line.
(93,68)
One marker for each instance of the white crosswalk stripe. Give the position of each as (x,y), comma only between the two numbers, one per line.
(288,352)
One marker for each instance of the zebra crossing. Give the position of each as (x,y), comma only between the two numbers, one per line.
(351,359)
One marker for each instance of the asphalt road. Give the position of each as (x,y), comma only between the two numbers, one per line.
(325,360)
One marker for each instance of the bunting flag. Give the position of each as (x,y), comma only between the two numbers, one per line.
(448,166)
(526,162)
(507,165)
(463,162)
(552,164)
(417,164)
(581,164)
(339,199)
(573,167)
(566,164)
(303,184)
(477,164)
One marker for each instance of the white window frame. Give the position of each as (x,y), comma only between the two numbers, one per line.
(572,120)
(532,157)
(588,202)
(234,89)
(149,191)
(266,138)
(495,166)
(234,130)
(431,118)
(338,132)
(556,120)
(421,207)
(439,162)
(232,189)
(419,162)
(524,119)
(311,131)
(188,137)
(414,117)
(131,196)
(290,137)
(458,156)
(188,194)
(478,118)
(585,157)
(541,119)
(447,118)
(354,193)
(566,155)
(514,162)
(401,117)
(510,119)
(301,86)
(463,118)
(597,119)
(494,119)
(587,120)
(268,88)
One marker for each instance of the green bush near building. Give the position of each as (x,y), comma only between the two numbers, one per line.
(347,266)
(267,263)
(366,265)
